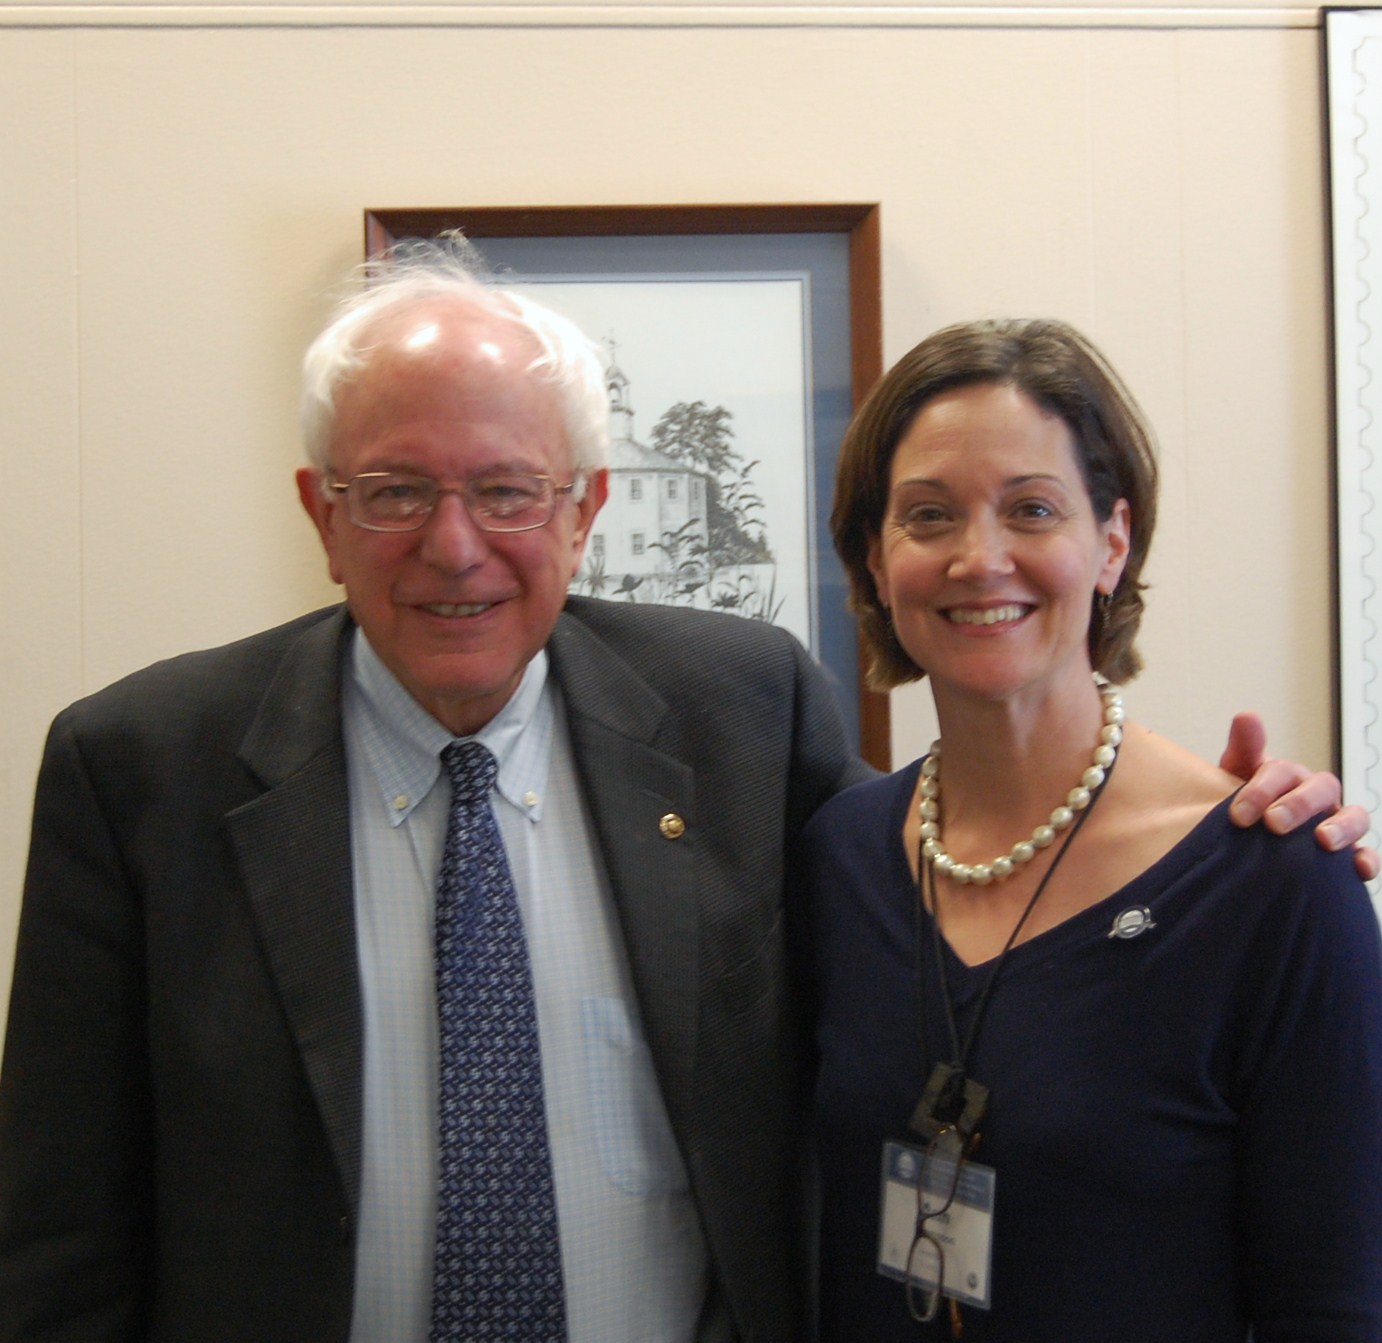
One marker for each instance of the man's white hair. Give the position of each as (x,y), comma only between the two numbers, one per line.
(449,267)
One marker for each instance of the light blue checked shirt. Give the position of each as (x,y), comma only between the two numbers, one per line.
(633,1255)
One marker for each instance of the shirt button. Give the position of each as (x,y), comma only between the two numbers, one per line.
(400,802)
(530,799)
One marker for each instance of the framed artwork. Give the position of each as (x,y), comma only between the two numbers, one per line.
(1353,80)
(737,341)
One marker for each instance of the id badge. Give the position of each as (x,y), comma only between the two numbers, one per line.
(964,1230)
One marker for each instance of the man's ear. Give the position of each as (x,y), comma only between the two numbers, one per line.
(322,511)
(587,506)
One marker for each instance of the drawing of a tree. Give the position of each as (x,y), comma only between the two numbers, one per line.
(703,438)
(685,556)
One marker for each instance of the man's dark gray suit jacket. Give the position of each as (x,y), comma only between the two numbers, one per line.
(180,1103)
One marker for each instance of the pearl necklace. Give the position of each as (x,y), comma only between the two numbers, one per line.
(1079,797)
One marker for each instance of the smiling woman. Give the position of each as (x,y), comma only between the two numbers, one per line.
(1061,374)
(1052,1168)
(989,548)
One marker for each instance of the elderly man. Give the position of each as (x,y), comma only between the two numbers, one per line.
(323,1030)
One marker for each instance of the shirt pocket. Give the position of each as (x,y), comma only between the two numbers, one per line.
(632,1133)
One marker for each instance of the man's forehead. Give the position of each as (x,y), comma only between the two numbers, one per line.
(450,324)
(436,366)
(447,350)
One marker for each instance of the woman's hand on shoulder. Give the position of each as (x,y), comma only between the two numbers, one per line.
(1283,795)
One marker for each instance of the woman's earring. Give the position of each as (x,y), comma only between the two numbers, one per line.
(1103,604)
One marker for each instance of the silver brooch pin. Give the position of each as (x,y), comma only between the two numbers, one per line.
(1132,922)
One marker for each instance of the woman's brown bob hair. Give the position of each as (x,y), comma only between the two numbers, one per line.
(1066,376)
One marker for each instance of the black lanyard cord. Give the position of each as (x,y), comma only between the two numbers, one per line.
(926,882)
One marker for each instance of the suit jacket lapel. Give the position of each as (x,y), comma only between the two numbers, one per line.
(294,849)
(632,789)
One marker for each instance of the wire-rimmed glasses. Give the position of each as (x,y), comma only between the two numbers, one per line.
(944,1155)
(395,501)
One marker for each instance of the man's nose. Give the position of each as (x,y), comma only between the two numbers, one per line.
(450,539)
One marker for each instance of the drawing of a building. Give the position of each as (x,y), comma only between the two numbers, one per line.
(652,533)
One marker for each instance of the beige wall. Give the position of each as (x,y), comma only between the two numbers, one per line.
(177,198)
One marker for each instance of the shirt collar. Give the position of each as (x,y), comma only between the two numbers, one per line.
(403,742)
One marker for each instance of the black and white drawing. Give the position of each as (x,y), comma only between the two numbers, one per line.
(710,501)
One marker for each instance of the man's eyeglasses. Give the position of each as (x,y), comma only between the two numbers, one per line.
(392,501)
(940,1167)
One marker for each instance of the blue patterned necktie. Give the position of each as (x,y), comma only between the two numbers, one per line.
(498,1263)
